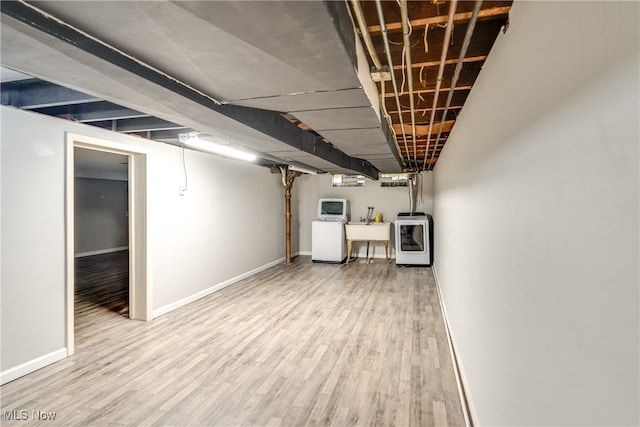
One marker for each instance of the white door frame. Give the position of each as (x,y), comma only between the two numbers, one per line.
(139,283)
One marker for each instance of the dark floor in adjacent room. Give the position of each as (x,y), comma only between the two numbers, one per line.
(102,283)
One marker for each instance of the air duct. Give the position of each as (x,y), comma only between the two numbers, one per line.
(413,194)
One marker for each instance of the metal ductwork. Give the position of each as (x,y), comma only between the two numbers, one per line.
(413,194)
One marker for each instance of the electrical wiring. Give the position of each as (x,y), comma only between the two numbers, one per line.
(316,182)
(404,56)
(404,52)
(184,170)
(421,82)
(420,75)
(426,45)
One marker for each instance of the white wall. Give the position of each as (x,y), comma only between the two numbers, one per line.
(536,217)
(101,219)
(229,222)
(386,200)
(33,251)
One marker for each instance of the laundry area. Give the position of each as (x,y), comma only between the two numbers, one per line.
(372,223)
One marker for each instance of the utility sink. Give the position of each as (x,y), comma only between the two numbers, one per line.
(373,231)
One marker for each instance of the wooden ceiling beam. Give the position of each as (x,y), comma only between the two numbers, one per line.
(421,149)
(422,130)
(425,79)
(420,110)
(484,36)
(477,58)
(426,60)
(421,157)
(426,100)
(423,119)
(422,146)
(458,17)
(423,91)
(432,143)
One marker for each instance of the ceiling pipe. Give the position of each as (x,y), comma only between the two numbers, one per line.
(364,31)
(387,49)
(456,74)
(404,16)
(366,36)
(443,60)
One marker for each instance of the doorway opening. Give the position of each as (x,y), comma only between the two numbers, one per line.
(101,227)
(111,249)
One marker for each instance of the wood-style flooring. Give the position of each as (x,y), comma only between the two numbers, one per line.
(300,344)
(101,283)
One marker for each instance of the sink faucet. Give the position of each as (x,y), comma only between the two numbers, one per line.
(369,214)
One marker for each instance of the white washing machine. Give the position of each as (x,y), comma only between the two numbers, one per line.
(414,244)
(328,241)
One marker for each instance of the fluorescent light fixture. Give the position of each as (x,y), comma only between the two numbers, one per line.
(342,180)
(305,170)
(191,139)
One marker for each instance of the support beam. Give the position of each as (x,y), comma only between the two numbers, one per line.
(288,176)
(276,126)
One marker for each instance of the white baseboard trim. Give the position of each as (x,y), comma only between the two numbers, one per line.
(470,415)
(32,365)
(184,301)
(101,251)
(304,253)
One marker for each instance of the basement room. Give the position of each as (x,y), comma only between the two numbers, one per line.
(330,213)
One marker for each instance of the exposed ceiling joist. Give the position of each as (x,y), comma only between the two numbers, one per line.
(431,90)
(32,93)
(422,130)
(428,52)
(478,58)
(442,19)
(142,124)
(90,112)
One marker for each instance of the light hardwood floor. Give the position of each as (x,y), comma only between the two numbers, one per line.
(304,344)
